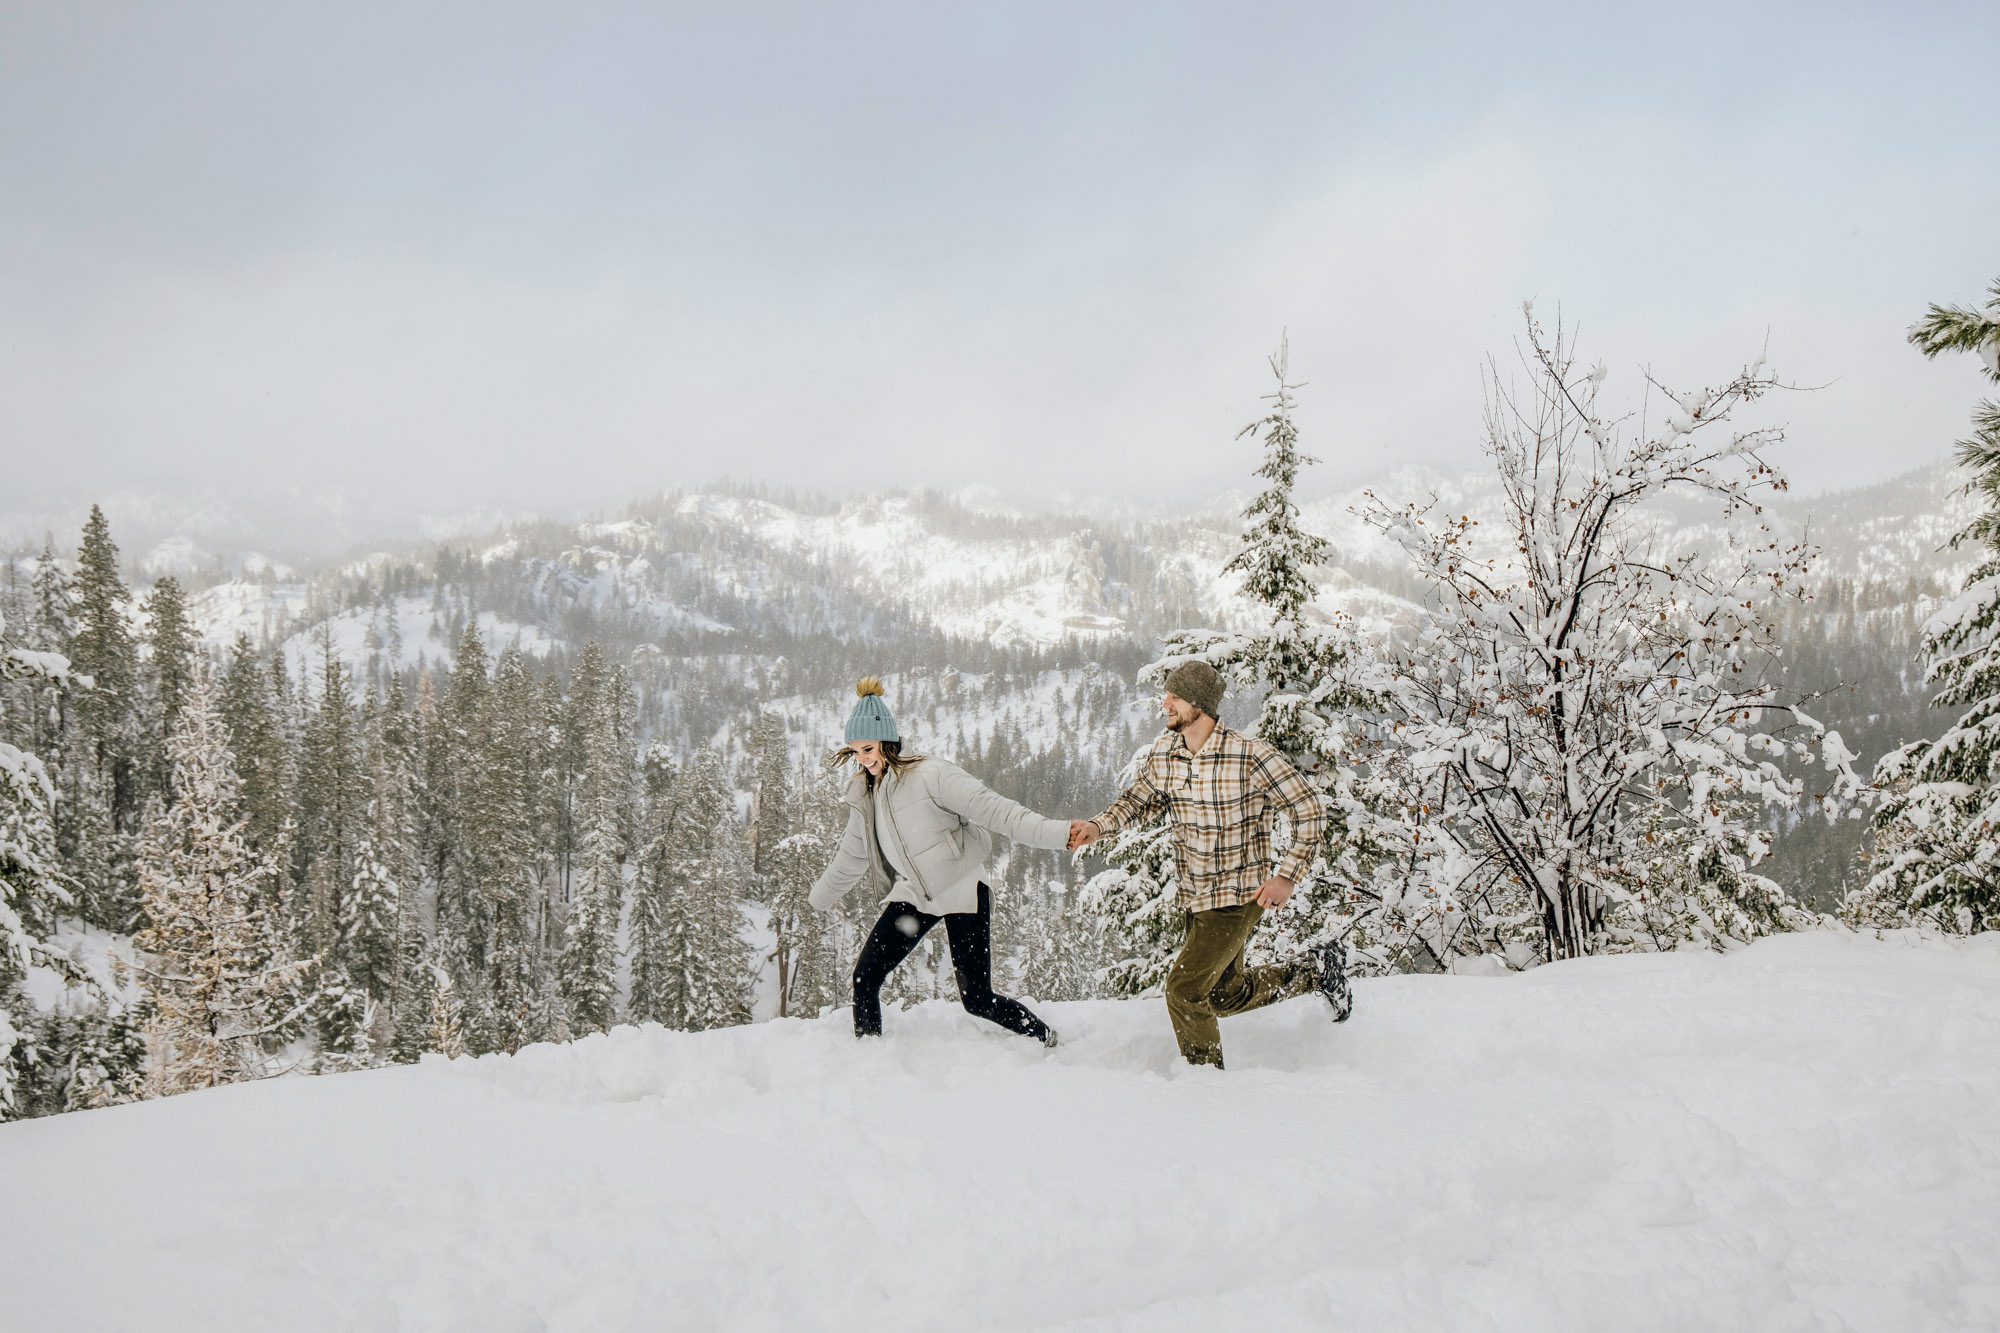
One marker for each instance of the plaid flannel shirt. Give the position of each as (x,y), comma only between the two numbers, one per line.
(1221,802)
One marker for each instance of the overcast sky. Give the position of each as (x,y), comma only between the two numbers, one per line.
(552,256)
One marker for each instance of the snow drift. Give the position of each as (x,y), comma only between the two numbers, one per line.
(1804,1134)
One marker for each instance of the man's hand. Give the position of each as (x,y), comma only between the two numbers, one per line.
(1082,832)
(1274,892)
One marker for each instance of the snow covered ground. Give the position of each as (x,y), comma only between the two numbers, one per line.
(1802,1135)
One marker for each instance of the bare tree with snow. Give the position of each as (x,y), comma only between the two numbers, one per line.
(1587,722)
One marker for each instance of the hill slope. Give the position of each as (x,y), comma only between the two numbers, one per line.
(1796,1136)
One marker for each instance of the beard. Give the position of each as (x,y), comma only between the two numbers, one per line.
(1177,723)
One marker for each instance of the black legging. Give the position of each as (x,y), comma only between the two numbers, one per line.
(971,937)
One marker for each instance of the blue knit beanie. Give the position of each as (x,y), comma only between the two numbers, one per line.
(871,719)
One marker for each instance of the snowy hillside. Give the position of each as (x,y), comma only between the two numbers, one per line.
(1799,1135)
(728,564)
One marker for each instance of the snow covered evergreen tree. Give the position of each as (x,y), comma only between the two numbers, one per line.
(1299,659)
(588,969)
(646,944)
(332,798)
(257,742)
(510,864)
(169,669)
(1061,947)
(577,717)
(41,708)
(774,812)
(79,1048)
(344,905)
(391,949)
(808,946)
(104,793)
(485,754)
(211,962)
(1313,711)
(371,911)
(690,967)
(1591,726)
(1936,858)
(33,888)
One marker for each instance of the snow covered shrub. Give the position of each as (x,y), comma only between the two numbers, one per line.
(1587,723)
(1936,858)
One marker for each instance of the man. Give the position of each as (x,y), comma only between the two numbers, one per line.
(1220,788)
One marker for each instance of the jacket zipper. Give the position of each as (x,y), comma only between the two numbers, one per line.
(882,803)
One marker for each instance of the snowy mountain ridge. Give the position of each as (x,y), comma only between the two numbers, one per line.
(726,564)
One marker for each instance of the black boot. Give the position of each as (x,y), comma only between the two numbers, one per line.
(1332,981)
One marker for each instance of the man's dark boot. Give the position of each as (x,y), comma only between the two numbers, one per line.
(1332,981)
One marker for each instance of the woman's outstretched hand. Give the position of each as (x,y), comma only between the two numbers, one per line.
(1082,832)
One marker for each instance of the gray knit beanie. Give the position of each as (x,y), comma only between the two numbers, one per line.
(871,719)
(1198,683)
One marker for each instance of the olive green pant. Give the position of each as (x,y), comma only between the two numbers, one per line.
(1208,980)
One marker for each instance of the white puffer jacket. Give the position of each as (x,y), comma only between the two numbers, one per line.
(942,820)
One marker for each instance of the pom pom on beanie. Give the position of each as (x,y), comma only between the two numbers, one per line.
(871,719)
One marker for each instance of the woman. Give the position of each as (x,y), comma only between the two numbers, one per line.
(919,830)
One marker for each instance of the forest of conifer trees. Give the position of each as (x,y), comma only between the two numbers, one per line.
(429,859)
(520,808)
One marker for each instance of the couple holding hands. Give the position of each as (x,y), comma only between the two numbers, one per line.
(920,830)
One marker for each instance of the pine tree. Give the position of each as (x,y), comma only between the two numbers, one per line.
(446,1019)
(102,648)
(211,964)
(105,795)
(1060,947)
(1298,659)
(576,717)
(1936,858)
(396,762)
(370,913)
(453,816)
(589,965)
(646,946)
(33,888)
(512,867)
(332,799)
(808,948)
(413,1028)
(1277,554)
(170,667)
(774,812)
(257,742)
(394,944)
(690,967)
(48,703)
